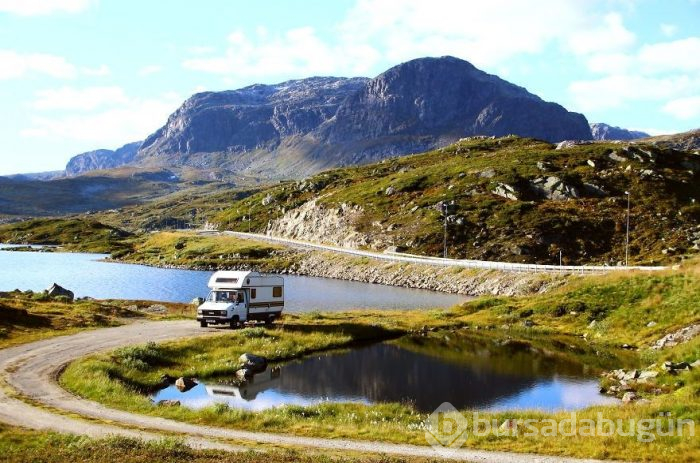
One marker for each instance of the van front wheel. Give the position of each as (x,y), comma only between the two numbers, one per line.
(203,324)
(235,323)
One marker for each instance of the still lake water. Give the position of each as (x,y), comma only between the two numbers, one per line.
(482,377)
(88,275)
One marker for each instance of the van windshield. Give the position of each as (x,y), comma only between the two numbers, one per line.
(225,296)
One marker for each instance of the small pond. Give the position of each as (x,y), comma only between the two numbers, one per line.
(474,375)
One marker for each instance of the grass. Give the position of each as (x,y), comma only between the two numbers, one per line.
(28,316)
(19,446)
(72,234)
(184,249)
(621,305)
(588,229)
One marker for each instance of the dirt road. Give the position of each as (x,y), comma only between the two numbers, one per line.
(29,371)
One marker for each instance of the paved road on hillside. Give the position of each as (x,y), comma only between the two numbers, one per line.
(29,372)
(437,261)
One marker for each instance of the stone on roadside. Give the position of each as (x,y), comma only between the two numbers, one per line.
(629,397)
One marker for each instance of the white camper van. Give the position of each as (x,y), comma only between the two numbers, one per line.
(238,296)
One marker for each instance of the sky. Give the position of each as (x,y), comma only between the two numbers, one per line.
(77,75)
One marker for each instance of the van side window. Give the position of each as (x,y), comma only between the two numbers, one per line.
(277,291)
(253,293)
(240,297)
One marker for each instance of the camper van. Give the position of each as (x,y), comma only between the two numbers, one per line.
(237,297)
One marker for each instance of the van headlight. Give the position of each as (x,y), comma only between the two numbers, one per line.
(199,312)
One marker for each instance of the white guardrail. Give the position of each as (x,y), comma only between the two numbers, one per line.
(439,261)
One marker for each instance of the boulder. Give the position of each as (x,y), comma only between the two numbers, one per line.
(390,191)
(185,384)
(629,397)
(554,188)
(253,362)
(506,191)
(56,290)
(268,200)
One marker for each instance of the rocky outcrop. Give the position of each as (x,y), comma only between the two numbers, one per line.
(554,188)
(102,159)
(601,131)
(681,336)
(314,222)
(300,126)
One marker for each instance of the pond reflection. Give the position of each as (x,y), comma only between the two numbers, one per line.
(468,374)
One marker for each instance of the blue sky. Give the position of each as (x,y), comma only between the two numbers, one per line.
(77,75)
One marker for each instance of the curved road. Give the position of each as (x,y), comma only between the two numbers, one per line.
(31,397)
(439,261)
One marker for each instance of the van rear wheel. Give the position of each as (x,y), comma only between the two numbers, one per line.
(269,320)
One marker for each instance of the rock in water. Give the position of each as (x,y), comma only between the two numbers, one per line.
(56,290)
(185,384)
(252,362)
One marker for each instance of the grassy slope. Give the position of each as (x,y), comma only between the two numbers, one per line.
(206,252)
(620,305)
(71,233)
(529,229)
(26,317)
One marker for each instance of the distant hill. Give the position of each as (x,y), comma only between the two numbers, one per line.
(681,141)
(601,131)
(102,159)
(299,127)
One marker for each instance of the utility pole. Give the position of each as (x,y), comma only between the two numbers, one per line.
(560,258)
(444,241)
(627,236)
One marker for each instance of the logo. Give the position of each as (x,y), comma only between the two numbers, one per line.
(446,427)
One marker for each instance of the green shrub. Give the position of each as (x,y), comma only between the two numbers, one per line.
(140,357)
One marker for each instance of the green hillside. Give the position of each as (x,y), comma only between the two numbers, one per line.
(515,199)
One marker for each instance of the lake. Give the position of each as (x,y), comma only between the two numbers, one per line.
(89,275)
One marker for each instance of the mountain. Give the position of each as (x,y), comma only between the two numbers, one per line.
(602,131)
(102,159)
(48,175)
(299,127)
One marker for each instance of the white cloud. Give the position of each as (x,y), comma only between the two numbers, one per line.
(132,119)
(683,108)
(85,99)
(293,52)
(678,55)
(669,30)
(663,72)
(14,65)
(615,90)
(609,36)
(102,70)
(151,69)
(485,33)
(42,7)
